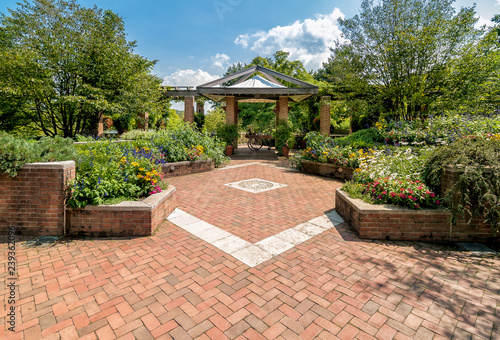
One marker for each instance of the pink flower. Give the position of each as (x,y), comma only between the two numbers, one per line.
(433,194)
(437,202)
(384,192)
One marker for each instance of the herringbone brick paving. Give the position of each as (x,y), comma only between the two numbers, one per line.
(174,286)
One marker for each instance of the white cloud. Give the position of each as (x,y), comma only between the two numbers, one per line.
(189,78)
(220,60)
(482,21)
(308,41)
(498,2)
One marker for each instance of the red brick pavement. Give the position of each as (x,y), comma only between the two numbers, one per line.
(174,286)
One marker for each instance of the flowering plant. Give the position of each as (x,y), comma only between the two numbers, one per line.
(402,192)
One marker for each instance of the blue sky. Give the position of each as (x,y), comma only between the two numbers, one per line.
(195,41)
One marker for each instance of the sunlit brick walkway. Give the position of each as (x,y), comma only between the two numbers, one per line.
(175,285)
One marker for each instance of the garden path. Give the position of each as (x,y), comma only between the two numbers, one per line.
(177,285)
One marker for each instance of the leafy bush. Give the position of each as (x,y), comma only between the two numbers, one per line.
(366,138)
(181,142)
(227,133)
(107,170)
(478,187)
(16,152)
(323,149)
(392,176)
(284,135)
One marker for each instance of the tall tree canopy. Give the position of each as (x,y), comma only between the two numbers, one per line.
(409,57)
(67,65)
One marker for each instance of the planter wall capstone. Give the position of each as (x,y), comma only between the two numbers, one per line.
(326,169)
(129,218)
(388,222)
(186,168)
(33,201)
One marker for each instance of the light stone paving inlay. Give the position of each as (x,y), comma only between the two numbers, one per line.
(255,185)
(254,254)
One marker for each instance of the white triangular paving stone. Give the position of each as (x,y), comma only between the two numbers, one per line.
(274,245)
(252,255)
(322,221)
(293,236)
(310,229)
(231,244)
(213,234)
(335,218)
(197,227)
(181,218)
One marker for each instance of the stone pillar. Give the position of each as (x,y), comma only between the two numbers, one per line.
(189,109)
(230,110)
(100,126)
(283,108)
(324,115)
(142,121)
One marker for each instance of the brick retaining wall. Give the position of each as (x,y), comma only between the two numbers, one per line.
(33,201)
(130,218)
(326,169)
(186,168)
(388,222)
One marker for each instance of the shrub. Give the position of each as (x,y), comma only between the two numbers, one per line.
(16,152)
(323,149)
(366,138)
(107,170)
(478,187)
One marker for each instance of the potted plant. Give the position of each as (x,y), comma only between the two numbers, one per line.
(284,137)
(229,135)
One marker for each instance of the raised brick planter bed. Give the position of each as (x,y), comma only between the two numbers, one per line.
(186,168)
(326,169)
(33,201)
(130,218)
(388,222)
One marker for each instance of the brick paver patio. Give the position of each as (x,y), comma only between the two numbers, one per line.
(174,285)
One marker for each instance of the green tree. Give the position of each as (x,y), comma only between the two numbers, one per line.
(70,65)
(408,57)
(214,119)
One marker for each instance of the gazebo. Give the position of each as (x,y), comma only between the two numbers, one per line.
(250,87)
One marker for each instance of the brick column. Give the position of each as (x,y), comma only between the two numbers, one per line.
(142,121)
(283,108)
(100,126)
(200,107)
(230,110)
(33,201)
(236,117)
(189,109)
(324,116)
(277,111)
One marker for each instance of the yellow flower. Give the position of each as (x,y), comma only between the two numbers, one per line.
(141,169)
(135,164)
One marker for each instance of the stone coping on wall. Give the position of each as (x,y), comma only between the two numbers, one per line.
(147,204)
(50,165)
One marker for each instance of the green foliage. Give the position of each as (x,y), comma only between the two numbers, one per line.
(323,149)
(228,133)
(366,138)
(284,135)
(214,119)
(478,187)
(408,58)
(65,65)
(107,170)
(16,152)
(180,142)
